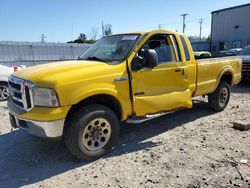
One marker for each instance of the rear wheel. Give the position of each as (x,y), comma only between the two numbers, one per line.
(219,99)
(4,91)
(91,132)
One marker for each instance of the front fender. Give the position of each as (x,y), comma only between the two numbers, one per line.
(80,93)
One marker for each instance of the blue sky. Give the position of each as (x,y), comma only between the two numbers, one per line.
(62,20)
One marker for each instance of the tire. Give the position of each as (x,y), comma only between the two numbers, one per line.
(88,126)
(219,99)
(4,91)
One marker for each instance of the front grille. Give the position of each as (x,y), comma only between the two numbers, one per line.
(246,70)
(15,85)
(27,96)
(18,103)
(21,93)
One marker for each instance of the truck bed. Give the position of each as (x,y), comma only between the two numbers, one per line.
(209,70)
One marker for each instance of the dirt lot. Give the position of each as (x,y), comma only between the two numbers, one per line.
(189,148)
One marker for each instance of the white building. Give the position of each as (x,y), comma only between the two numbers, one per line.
(230,28)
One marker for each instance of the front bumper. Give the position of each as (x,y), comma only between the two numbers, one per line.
(45,129)
(39,121)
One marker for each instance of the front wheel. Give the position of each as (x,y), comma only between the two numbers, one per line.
(4,91)
(91,132)
(219,99)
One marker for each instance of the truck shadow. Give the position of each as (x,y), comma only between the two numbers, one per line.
(243,87)
(25,160)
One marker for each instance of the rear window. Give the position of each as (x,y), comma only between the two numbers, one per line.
(184,44)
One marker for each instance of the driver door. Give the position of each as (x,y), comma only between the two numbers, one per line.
(163,87)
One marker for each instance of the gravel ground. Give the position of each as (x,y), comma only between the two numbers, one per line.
(189,148)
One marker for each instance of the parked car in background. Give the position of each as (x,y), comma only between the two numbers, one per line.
(5,72)
(245,54)
(231,52)
(202,54)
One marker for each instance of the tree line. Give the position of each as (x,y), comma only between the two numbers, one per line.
(82,38)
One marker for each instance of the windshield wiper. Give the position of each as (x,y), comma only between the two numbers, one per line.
(95,58)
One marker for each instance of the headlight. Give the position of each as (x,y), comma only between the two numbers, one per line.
(45,97)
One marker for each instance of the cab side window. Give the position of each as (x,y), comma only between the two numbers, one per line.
(165,47)
(184,44)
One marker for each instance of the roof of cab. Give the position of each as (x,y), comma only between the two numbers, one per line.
(147,32)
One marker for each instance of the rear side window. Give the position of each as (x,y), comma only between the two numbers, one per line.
(184,44)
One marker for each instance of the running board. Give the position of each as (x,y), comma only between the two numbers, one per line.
(138,120)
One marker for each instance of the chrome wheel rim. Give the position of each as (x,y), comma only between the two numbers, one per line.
(223,97)
(4,92)
(96,134)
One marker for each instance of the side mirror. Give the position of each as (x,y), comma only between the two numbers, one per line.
(151,58)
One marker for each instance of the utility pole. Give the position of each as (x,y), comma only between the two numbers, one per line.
(184,23)
(201,22)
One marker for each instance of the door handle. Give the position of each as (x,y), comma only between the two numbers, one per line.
(180,70)
(177,70)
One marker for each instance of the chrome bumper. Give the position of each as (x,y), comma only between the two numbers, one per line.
(51,129)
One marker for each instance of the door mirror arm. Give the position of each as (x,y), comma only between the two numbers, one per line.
(136,64)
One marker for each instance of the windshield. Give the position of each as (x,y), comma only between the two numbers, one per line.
(245,51)
(111,48)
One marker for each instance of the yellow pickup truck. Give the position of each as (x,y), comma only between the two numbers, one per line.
(129,77)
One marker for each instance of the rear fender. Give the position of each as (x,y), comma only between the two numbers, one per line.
(227,70)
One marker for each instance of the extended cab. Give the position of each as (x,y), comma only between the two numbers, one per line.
(126,77)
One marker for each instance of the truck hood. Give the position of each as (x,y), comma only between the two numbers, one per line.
(51,74)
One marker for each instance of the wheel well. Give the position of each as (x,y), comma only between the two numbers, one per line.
(102,99)
(4,82)
(227,77)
